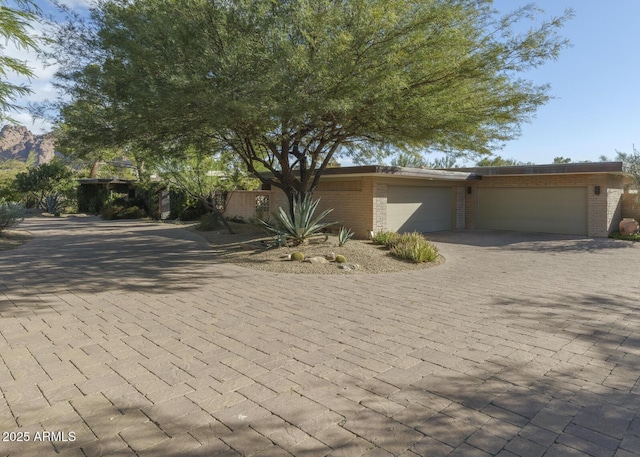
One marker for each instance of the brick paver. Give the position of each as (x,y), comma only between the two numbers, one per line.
(130,338)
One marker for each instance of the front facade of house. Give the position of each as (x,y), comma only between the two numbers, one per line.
(577,199)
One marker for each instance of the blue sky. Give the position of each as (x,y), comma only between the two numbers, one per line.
(595,84)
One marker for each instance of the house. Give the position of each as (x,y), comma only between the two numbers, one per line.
(586,199)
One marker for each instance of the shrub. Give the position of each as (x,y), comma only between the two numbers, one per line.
(11,214)
(132,212)
(208,222)
(341,259)
(385,238)
(629,237)
(297,229)
(344,235)
(120,212)
(112,212)
(297,256)
(415,248)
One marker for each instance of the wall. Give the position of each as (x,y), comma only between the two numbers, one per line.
(631,204)
(351,200)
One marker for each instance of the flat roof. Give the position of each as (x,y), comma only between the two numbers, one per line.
(550,169)
(425,173)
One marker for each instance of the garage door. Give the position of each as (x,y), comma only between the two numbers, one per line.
(549,210)
(421,209)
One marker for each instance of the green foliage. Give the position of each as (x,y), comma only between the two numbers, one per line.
(9,169)
(344,235)
(11,214)
(46,183)
(53,204)
(299,225)
(297,256)
(14,28)
(628,237)
(386,239)
(631,163)
(415,248)
(340,259)
(121,212)
(498,161)
(288,86)
(208,222)
(202,172)
(561,160)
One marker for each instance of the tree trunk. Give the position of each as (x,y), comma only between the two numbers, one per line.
(94,169)
(211,205)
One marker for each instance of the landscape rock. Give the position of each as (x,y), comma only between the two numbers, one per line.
(331,257)
(349,266)
(316,260)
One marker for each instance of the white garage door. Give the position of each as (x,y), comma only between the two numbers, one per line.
(421,209)
(549,209)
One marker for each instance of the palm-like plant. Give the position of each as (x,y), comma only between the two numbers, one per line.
(299,226)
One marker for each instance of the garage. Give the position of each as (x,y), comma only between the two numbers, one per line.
(550,210)
(421,209)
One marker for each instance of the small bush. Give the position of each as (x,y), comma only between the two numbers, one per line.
(112,212)
(340,259)
(11,214)
(133,212)
(208,222)
(385,238)
(629,237)
(415,248)
(120,212)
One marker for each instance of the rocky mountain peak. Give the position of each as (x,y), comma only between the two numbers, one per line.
(17,142)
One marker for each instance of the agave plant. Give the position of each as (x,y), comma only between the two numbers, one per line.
(344,235)
(297,228)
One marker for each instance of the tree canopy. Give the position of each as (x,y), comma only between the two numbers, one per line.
(15,29)
(288,86)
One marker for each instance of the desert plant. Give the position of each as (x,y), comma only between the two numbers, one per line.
(340,258)
(298,227)
(297,256)
(52,204)
(385,238)
(415,248)
(11,214)
(344,235)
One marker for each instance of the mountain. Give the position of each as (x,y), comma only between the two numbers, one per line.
(17,142)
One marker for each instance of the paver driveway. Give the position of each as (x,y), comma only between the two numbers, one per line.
(129,338)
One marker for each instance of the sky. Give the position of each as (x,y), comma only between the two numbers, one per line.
(595,109)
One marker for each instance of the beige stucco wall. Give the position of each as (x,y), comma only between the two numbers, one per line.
(360,202)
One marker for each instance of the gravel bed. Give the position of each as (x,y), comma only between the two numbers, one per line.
(248,248)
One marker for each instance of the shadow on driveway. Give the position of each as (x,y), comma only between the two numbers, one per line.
(520,241)
(90,255)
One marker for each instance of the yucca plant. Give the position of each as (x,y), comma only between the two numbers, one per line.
(297,228)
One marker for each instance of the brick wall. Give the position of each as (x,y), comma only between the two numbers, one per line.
(460,208)
(352,208)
